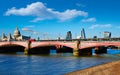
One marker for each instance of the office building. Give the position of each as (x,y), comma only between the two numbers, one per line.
(69,35)
(107,34)
(83,34)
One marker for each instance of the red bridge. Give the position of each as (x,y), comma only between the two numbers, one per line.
(77,46)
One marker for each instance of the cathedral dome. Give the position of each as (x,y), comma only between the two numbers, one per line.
(17,33)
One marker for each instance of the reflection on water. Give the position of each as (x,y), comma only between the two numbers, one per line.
(53,64)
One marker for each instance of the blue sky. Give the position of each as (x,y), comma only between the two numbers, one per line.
(53,18)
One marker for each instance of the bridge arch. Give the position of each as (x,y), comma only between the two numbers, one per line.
(19,43)
(58,46)
(98,44)
(99,47)
(11,48)
(42,44)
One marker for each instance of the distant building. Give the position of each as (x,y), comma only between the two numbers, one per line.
(69,35)
(107,34)
(4,37)
(78,37)
(94,37)
(83,34)
(9,38)
(38,38)
(17,36)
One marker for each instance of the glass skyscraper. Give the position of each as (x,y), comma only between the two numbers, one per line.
(69,35)
(83,34)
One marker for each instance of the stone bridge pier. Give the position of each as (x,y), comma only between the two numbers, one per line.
(78,51)
(26,50)
(76,48)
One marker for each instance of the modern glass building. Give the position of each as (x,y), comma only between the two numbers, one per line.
(83,34)
(69,35)
(107,34)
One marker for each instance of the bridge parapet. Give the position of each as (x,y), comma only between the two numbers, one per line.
(99,43)
(71,44)
(20,43)
(52,43)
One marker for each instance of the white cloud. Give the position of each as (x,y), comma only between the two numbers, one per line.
(35,32)
(36,20)
(80,5)
(69,14)
(29,29)
(101,26)
(89,20)
(39,10)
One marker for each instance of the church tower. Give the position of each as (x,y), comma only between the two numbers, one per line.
(9,37)
(4,38)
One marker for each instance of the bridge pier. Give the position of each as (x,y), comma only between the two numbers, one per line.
(100,50)
(75,52)
(81,52)
(76,49)
(26,50)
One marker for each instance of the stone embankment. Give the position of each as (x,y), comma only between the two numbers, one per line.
(112,68)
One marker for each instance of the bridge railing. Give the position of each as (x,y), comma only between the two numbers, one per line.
(101,39)
(88,39)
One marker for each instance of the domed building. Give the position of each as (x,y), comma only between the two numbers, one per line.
(17,36)
(16,33)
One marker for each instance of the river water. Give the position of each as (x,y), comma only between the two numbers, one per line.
(53,64)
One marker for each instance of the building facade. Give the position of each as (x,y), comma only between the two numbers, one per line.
(4,37)
(83,34)
(107,34)
(16,36)
(69,35)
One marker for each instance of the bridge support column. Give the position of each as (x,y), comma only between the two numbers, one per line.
(100,50)
(76,49)
(76,52)
(81,52)
(26,50)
